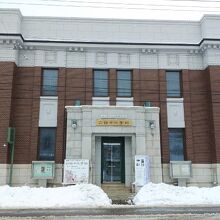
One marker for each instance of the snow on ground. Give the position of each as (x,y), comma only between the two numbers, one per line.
(163,194)
(70,196)
(85,195)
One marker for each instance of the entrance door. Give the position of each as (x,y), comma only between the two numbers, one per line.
(113,164)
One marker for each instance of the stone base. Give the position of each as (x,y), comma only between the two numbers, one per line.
(22,175)
(203,175)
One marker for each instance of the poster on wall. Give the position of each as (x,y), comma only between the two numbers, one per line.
(142,170)
(76,171)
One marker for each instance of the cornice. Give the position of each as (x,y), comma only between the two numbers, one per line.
(20,43)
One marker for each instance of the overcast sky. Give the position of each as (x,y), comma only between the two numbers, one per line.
(132,9)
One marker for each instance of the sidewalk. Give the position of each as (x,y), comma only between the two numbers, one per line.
(114,210)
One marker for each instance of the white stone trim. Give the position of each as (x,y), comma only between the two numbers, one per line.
(48,111)
(100,101)
(203,174)
(175,113)
(66,42)
(124,101)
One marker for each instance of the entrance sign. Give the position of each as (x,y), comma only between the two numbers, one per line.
(142,170)
(113,122)
(76,171)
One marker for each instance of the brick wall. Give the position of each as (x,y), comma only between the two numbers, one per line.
(197,117)
(7,70)
(201,107)
(213,73)
(26,102)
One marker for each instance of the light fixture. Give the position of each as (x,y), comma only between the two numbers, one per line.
(5,145)
(74,123)
(152,124)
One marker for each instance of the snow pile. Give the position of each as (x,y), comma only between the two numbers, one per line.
(163,194)
(27,197)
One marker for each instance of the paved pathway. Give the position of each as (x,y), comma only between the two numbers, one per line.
(116,212)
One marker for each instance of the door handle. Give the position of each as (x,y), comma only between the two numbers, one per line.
(111,166)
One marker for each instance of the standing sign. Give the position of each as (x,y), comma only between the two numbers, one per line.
(142,170)
(76,171)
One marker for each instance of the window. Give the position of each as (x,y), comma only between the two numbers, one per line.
(100,83)
(47,142)
(176,144)
(49,82)
(173,84)
(124,83)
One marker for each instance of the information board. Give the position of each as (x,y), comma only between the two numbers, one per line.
(76,171)
(180,169)
(142,170)
(43,169)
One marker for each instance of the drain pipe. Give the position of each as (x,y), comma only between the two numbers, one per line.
(11,143)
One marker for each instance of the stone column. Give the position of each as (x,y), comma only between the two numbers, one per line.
(153,148)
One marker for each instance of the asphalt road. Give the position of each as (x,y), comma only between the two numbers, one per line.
(113,212)
(150,217)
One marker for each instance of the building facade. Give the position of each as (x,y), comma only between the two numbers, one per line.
(92,89)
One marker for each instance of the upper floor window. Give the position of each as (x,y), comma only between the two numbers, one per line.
(49,82)
(100,83)
(173,79)
(47,142)
(176,144)
(124,83)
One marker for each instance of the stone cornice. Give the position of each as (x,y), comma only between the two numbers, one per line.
(19,43)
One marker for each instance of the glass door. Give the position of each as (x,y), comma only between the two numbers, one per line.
(112,159)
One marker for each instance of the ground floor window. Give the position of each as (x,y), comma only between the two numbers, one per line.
(47,143)
(176,144)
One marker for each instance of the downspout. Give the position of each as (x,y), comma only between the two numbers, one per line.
(11,144)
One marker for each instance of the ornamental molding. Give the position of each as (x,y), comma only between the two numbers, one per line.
(206,46)
(18,43)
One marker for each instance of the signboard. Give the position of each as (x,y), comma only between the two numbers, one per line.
(43,169)
(180,169)
(142,170)
(113,122)
(76,171)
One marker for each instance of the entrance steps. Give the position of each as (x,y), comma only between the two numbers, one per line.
(118,193)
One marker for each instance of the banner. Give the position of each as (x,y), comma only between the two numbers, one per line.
(76,171)
(142,170)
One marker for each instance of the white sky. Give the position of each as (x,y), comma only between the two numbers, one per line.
(138,9)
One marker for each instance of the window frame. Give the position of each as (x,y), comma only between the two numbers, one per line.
(42,81)
(183,143)
(131,83)
(108,83)
(39,143)
(180,84)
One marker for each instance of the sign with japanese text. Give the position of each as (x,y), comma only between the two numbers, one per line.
(76,171)
(113,122)
(142,170)
(43,169)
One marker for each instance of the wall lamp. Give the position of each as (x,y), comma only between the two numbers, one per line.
(152,124)
(5,145)
(74,123)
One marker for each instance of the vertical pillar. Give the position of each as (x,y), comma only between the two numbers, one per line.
(35,113)
(153,143)
(87,137)
(112,86)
